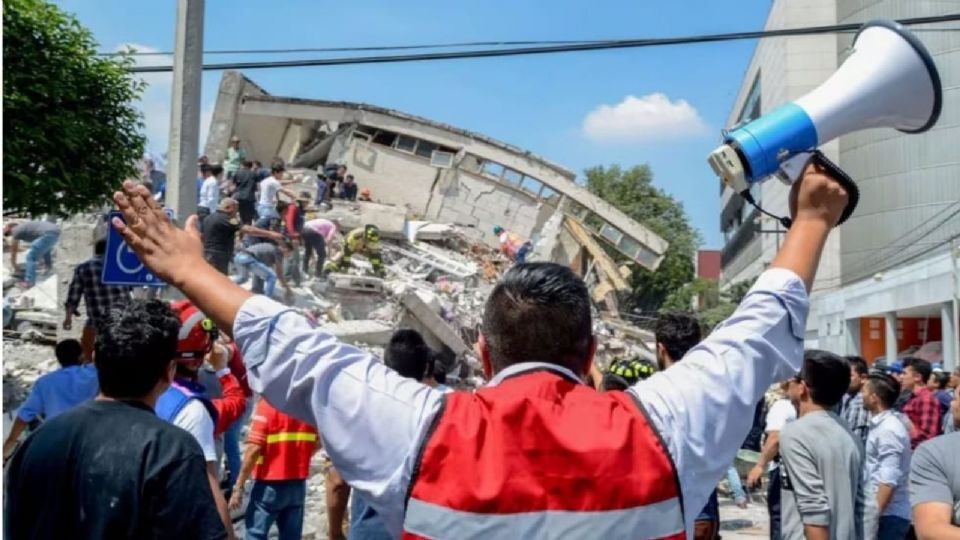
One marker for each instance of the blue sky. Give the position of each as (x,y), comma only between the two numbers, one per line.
(574,108)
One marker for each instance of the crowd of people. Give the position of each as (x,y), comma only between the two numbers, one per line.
(550,447)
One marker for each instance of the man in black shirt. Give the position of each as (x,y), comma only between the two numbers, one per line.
(220,234)
(246,182)
(110,469)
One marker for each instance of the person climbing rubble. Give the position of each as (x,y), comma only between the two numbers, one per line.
(648,464)
(317,235)
(42,236)
(512,245)
(185,403)
(363,241)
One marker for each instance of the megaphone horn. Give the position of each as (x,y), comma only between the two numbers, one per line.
(889,80)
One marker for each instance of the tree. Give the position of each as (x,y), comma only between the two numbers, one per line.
(71,130)
(633,192)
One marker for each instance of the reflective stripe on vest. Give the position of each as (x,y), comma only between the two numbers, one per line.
(543,456)
(291,436)
(658,520)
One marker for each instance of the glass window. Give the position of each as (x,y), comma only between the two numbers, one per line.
(492,169)
(751,105)
(511,176)
(531,185)
(594,222)
(549,195)
(367,129)
(406,144)
(629,247)
(646,257)
(611,233)
(425,148)
(386,138)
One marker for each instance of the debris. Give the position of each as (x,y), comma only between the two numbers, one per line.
(364,331)
(430,323)
(434,258)
(352,282)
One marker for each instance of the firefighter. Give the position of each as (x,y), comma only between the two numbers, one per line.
(364,241)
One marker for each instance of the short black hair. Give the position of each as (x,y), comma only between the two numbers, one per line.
(942,379)
(134,347)
(826,375)
(100,246)
(247,164)
(437,368)
(277,167)
(538,312)
(919,365)
(69,352)
(885,387)
(408,354)
(257,163)
(206,169)
(858,364)
(216,169)
(678,332)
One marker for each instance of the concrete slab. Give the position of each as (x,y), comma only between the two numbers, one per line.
(364,331)
(350,282)
(432,323)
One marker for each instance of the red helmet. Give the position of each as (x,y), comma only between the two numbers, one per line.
(197,332)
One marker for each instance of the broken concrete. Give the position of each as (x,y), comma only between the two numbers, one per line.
(367,331)
(431,324)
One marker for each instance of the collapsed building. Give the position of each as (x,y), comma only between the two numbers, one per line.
(440,173)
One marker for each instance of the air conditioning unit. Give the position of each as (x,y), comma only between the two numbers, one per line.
(444,160)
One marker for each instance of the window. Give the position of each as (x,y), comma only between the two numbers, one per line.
(611,233)
(406,144)
(630,247)
(386,138)
(594,222)
(492,169)
(751,105)
(549,195)
(366,129)
(471,163)
(531,185)
(440,159)
(425,148)
(511,176)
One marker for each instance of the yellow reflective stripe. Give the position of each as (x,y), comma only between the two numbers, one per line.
(291,436)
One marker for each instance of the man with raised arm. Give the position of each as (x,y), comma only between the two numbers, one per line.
(535,453)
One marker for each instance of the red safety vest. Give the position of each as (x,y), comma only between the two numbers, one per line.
(543,456)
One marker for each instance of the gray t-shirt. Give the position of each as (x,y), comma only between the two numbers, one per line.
(265,252)
(29,231)
(935,473)
(822,477)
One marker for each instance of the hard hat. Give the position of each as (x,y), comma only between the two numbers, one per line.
(372,232)
(197,332)
(497,229)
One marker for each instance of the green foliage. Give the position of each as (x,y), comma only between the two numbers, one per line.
(633,192)
(71,130)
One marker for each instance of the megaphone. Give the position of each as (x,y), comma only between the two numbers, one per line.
(889,80)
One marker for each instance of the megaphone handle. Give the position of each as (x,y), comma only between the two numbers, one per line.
(835,172)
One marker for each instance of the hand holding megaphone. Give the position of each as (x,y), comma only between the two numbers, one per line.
(818,197)
(889,80)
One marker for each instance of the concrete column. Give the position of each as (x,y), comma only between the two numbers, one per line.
(948,325)
(852,336)
(185,111)
(890,320)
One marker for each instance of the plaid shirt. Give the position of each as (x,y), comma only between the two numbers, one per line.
(923,410)
(857,418)
(99,298)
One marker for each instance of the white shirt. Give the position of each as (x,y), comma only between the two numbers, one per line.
(195,419)
(210,193)
(269,187)
(780,413)
(374,421)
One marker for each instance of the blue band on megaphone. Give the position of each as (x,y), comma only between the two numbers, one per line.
(786,129)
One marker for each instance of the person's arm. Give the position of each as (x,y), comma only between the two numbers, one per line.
(337,499)
(798,457)
(890,448)
(261,233)
(816,532)
(250,455)
(231,406)
(14,248)
(736,487)
(771,447)
(720,381)
(930,491)
(10,444)
(289,219)
(218,499)
(931,521)
(74,295)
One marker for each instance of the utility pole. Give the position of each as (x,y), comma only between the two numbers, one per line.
(185,111)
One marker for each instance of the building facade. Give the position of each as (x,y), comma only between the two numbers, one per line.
(888,281)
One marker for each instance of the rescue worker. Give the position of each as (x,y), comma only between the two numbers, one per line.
(512,245)
(526,456)
(185,403)
(363,240)
(626,372)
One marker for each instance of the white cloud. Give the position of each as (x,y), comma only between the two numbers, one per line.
(156,100)
(649,117)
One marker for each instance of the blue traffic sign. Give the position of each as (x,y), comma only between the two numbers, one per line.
(121,266)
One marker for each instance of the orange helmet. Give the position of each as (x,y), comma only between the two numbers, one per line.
(197,332)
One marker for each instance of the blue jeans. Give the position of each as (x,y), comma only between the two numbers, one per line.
(248,264)
(231,443)
(893,528)
(773,503)
(365,524)
(522,253)
(267,211)
(41,248)
(278,501)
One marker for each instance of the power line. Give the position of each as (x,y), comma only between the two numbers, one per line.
(574,47)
